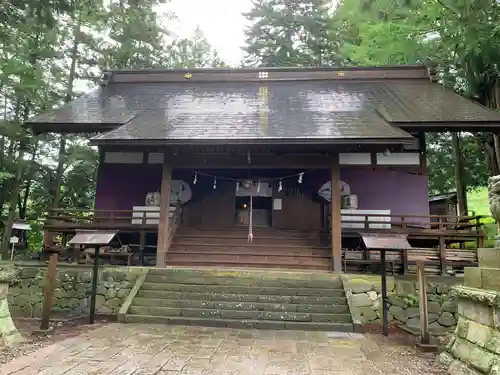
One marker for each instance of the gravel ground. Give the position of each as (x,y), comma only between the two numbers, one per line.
(63,331)
(398,354)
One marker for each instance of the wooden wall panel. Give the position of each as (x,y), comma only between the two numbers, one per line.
(216,209)
(213,210)
(219,207)
(298,212)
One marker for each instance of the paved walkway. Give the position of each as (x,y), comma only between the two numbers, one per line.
(135,349)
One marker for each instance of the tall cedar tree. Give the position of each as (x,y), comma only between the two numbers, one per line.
(49,50)
(290,33)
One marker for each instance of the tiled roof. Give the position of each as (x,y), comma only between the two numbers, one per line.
(305,109)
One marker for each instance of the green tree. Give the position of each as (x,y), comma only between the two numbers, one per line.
(48,48)
(290,33)
(441,162)
(136,37)
(461,39)
(194,52)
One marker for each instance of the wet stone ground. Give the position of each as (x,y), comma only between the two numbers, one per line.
(136,349)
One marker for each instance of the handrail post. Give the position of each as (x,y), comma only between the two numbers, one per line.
(422,287)
(383,284)
(442,254)
(178,209)
(404,257)
(48,293)
(142,242)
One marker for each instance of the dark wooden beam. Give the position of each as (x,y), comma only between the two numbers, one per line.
(271,149)
(236,161)
(163,227)
(268,74)
(335,214)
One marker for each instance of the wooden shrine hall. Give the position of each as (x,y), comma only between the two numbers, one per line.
(271,167)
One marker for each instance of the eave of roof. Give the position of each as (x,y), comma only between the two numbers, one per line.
(403,95)
(262,141)
(442,197)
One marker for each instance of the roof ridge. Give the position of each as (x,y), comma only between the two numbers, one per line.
(264,74)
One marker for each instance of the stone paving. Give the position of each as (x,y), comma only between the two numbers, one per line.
(138,349)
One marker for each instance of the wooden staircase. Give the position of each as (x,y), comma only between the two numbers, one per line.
(270,248)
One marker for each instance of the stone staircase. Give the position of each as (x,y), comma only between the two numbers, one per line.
(240,299)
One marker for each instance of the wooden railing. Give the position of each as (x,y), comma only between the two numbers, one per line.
(436,261)
(114,219)
(411,222)
(103,219)
(175,221)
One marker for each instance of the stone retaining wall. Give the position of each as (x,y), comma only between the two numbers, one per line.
(475,347)
(72,292)
(364,297)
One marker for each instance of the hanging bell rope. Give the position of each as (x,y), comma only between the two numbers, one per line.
(250,219)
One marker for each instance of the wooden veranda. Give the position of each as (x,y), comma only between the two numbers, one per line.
(439,242)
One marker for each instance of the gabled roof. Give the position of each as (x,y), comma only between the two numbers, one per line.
(442,197)
(276,111)
(282,104)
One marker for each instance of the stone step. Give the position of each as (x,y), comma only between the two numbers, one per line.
(305,300)
(250,306)
(150,284)
(232,278)
(241,314)
(239,323)
(154,310)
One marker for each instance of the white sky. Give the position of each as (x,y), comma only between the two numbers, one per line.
(220,20)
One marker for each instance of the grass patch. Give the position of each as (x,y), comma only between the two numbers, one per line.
(477,201)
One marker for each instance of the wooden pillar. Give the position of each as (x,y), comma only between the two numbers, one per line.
(95,281)
(422,145)
(335,215)
(163,227)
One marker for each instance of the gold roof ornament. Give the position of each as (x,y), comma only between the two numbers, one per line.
(188,75)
